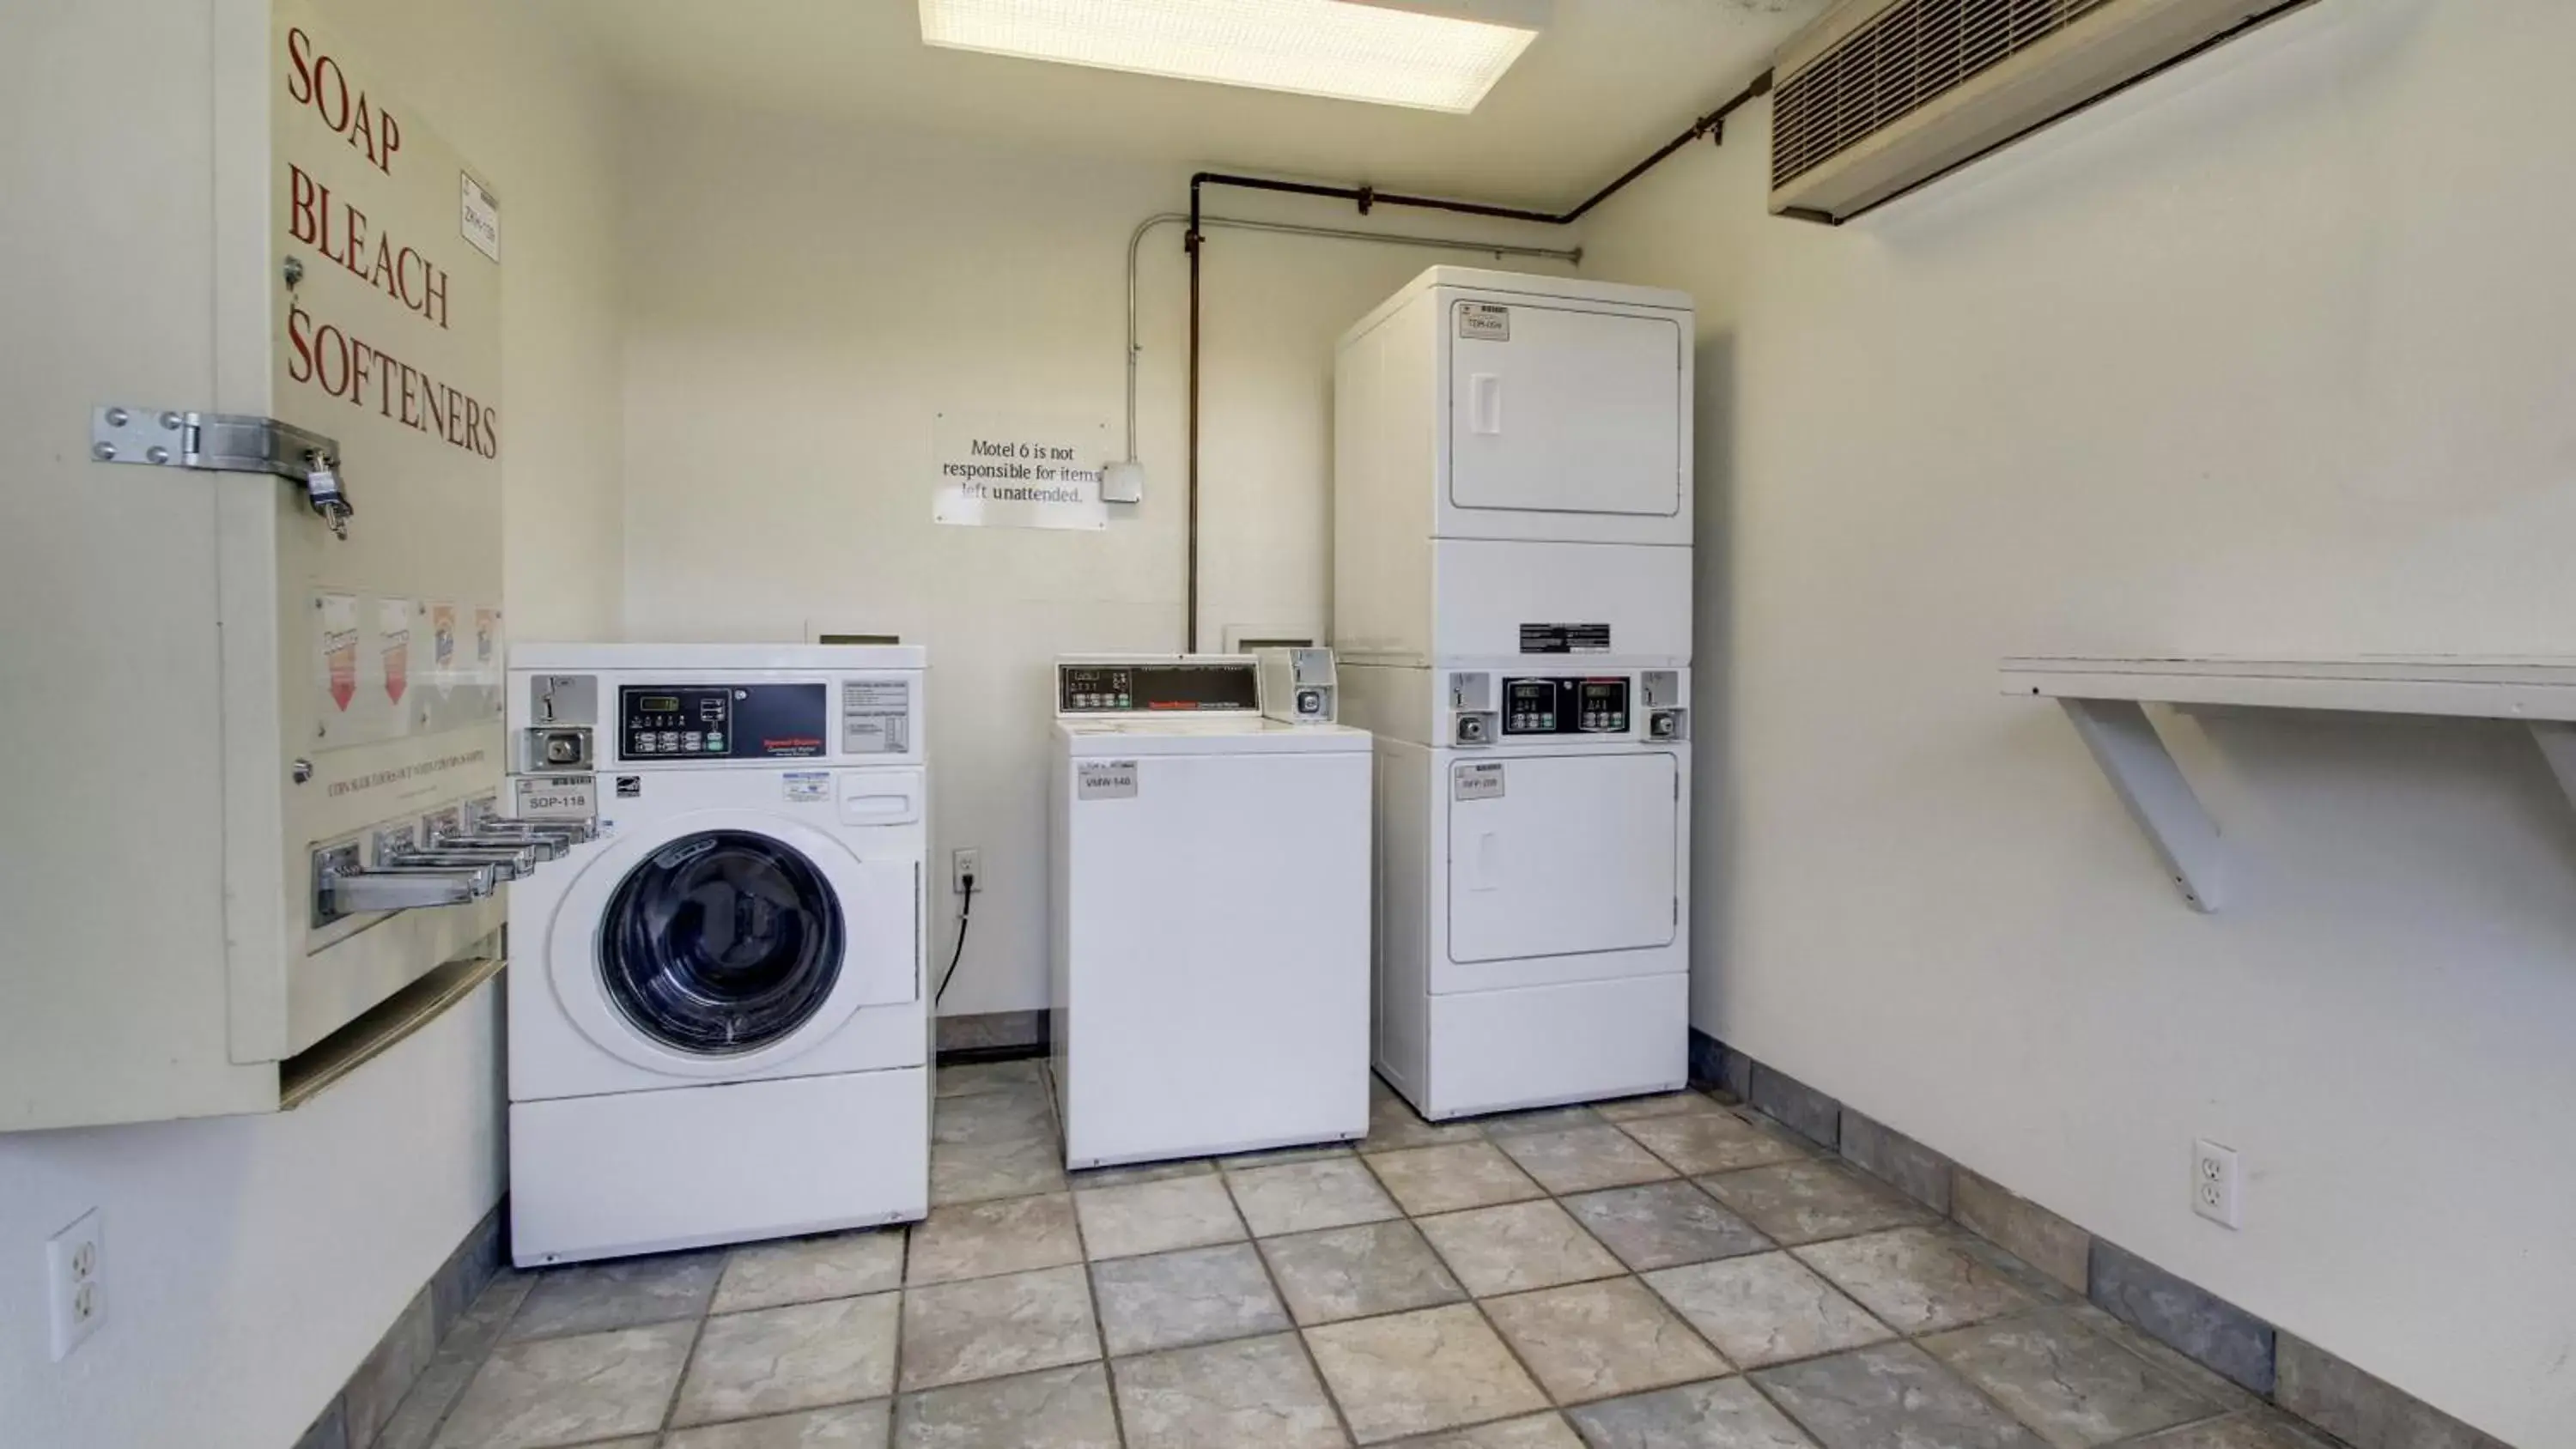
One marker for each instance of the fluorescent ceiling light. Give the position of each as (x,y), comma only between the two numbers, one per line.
(1420,53)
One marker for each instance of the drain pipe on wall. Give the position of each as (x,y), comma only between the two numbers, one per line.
(1711,126)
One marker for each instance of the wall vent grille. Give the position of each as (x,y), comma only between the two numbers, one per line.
(1912,54)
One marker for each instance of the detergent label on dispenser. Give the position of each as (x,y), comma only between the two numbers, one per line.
(1106,780)
(806,786)
(1480,781)
(1485,321)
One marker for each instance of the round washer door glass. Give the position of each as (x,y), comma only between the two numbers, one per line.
(721,942)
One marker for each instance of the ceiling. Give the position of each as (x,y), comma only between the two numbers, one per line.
(1608,81)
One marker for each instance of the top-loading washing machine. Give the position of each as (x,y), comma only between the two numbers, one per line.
(717,1022)
(1210,908)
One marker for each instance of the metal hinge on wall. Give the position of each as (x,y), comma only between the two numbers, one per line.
(226,443)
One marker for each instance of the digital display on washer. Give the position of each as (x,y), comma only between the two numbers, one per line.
(1565,706)
(1118,688)
(721,722)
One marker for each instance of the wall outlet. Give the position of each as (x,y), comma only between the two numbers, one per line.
(75,1282)
(2215,1183)
(962,864)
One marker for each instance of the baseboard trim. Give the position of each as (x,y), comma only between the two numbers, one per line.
(998,1033)
(360,1410)
(2336,1396)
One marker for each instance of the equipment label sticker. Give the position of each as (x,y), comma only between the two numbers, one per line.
(807,786)
(876,716)
(1486,321)
(1565,638)
(554,797)
(1106,780)
(1480,781)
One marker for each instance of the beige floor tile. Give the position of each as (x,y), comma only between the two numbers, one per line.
(990,1118)
(570,1390)
(803,1357)
(1255,1391)
(1766,1308)
(1664,1225)
(1359,1272)
(987,1327)
(1412,1373)
(1662,1104)
(1538,1119)
(1060,1408)
(1302,1197)
(1538,1431)
(1805,1202)
(848,1426)
(2077,1389)
(1023,1075)
(1196,1295)
(2254,1429)
(1583,1159)
(1719,1414)
(976,1172)
(1697,1142)
(982,1239)
(1598,1340)
(1516,1247)
(809,1270)
(1894,1394)
(1156,1217)
(1141,1172)
(1394,1125)
(1448,1178)
(1915,1279)
(589,1297)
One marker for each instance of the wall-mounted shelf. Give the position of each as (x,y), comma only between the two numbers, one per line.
(2104,699)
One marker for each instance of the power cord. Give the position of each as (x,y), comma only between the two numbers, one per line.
(965,914)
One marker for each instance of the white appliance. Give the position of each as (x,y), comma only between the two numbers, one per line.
(1210,914)
(1512,595)
(717,1023)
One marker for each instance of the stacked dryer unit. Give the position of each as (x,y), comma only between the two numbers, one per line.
(1512,614)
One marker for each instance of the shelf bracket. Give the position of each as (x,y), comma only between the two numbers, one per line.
(2557,741)
(2125,744)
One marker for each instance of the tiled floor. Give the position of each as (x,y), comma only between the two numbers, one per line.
(1646,1275)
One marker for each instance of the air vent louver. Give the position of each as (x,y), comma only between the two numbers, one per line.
(1883,94)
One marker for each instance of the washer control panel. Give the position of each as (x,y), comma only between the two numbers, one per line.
(1211,683)
(1565,707)
(720,722)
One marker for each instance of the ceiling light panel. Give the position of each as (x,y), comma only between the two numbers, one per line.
(1347,49)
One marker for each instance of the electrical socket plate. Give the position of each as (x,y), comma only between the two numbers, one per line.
(961,864)
(2215,1183)
(75,1290)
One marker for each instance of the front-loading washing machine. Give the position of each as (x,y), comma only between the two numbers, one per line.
(717,1025)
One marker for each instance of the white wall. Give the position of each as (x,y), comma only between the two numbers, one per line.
(2271,354)
(251,1263)
(803,298)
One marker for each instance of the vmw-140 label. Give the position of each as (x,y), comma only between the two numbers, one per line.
(1106,780)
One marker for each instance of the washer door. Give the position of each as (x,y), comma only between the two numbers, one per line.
(725,943)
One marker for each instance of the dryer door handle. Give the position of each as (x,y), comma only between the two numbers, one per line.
(1488,874)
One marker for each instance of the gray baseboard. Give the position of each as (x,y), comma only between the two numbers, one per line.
(358,1412)
(2336,1396)
(993,1031)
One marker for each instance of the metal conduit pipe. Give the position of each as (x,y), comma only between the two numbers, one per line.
(1135,242)
(1366,198)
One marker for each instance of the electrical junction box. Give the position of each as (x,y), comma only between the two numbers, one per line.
(254,478)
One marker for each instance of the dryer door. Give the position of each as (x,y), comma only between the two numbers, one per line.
(1569,411)
(1562,855)
(726,943)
